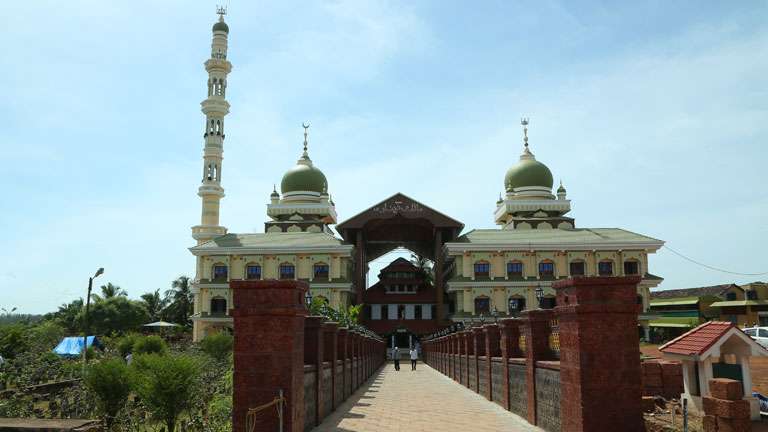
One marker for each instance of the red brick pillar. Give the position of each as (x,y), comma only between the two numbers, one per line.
(268,351)
(451,352)
(353,356)
(465,337)
(509,339)
(313,355)
(330,343)
(492,349)
(599,354)
(536,327)
(478,343)
(341,354)
(360,362)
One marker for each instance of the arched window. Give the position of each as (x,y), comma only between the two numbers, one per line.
(219,272)
(515,304)
(631,267)
(320,271)
(515,269)
(577,268)
(605,268)
(287,271)
(482,269)
(482,305)
(218,305)
(546,268)
(253,271)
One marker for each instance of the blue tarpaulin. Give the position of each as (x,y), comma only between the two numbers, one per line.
(72,346)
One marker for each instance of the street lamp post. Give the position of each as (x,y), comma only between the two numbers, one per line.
(539,295)
(99,272)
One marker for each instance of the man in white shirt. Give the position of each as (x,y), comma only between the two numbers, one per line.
(414,356)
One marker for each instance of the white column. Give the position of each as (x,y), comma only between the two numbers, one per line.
(705,374)
(746,375)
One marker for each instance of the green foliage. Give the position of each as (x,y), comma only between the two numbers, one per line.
(109,291)
(150,345)
(155,305)
(217,345)
(108,381)
(13,340)
(125,343)
(165,384)
(69,316)
(181,300)
(47,334)
(345,317)
(116,315)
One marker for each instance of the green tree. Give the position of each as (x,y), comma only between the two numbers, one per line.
(150,345)
(125,344)
(180,299)
(425,266)
(109,381)
(109,291)
(165,384)
(116,315)
(154,304)
(13,340)
(217,345)
(69,316)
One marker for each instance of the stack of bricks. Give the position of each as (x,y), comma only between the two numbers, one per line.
(653,384)
(662,378)
(725,410)
(672,379)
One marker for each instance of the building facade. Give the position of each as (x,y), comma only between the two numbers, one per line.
(482,272)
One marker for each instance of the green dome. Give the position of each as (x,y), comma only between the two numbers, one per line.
(528,172)
(221,26)
(304,177)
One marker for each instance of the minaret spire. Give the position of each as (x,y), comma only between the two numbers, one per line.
(524,121)
(215,108)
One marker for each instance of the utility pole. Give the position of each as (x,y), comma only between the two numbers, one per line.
(85,318)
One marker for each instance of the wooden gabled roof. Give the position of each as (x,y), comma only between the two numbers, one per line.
(400,205)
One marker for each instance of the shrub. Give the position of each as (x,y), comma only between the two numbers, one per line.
(150,345)
(108,381)
(125,344)
(217,345)
(165,384)
(13,340)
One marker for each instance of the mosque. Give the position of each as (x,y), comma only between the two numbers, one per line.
(470,273)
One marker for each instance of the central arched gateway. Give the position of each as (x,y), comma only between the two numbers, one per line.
(400,221)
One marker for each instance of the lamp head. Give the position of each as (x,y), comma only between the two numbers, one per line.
(99,272)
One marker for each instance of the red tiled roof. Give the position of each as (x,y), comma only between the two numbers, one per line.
(698,340)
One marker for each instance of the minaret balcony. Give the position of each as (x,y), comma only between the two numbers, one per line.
(215,106)
(218,65)
(210,188)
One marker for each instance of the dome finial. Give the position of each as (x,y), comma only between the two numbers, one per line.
(305,125)
(221,11)
(524,122)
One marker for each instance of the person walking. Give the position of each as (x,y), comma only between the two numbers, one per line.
(396,358)
(414,356)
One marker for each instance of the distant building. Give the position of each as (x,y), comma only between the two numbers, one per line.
(482,272)
(747,307)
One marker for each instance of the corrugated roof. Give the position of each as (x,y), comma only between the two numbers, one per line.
(576,235)
(271,240)
(739,303)
(714,290)
(698,340)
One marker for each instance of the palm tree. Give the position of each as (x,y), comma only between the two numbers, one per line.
(425,266)
(180,300)
(109,291)
(154,304)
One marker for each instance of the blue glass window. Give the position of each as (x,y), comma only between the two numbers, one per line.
(220,272)
(605,268)
(287,271)
(515,269)
(321,271)
(546,268)
(253,272)
(482,269)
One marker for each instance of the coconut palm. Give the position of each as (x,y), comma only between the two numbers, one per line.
(425,266)
(155,304)
(180,300)
(109,291)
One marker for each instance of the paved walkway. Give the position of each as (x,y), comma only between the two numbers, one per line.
(421,400)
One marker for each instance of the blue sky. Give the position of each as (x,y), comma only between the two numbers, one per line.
(654,116)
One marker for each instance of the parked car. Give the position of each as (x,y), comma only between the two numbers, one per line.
(759,334)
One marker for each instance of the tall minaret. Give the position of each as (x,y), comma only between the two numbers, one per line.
(215,107)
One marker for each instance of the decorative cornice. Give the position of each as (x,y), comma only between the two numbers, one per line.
(274,250)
